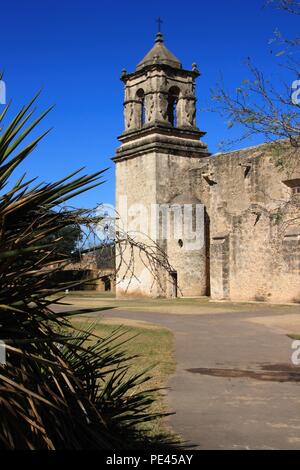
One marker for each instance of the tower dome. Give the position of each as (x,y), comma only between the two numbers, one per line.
(159,54)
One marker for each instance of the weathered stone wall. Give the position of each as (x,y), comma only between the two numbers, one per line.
(248,254)
(255,250)
(135,193)
(186,255)
(165,180)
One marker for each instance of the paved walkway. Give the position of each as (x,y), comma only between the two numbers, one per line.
(254,403)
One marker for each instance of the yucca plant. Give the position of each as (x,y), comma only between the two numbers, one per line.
(60,389)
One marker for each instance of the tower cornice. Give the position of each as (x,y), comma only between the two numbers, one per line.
(163,129)
(169,70)
(160,139)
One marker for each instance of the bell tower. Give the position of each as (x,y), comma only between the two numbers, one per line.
(159,145)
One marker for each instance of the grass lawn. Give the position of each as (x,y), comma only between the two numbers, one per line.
(186,306)
(154,345)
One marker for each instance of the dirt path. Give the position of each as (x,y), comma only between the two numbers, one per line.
(235,386)
(221,410)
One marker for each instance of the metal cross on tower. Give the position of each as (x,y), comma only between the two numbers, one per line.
(159,22)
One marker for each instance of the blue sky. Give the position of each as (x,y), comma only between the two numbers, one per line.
(75,51)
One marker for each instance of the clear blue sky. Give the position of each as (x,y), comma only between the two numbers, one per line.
(75,50)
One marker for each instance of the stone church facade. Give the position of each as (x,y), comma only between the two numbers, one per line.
(248,235)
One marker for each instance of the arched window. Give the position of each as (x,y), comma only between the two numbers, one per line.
(172,105)
(142,112)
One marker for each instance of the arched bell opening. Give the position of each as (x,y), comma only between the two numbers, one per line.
(172,110)
(140,95)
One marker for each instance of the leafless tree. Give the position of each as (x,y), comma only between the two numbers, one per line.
(125,248)
(260,106)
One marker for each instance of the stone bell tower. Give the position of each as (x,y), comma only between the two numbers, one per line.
(159,147)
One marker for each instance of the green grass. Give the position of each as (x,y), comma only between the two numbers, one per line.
(193,306)
(293,336)
(91,293)
(154,346)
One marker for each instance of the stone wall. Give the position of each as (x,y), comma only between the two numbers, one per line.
(251,250)
(135,193)
(255,247)
(150,180)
